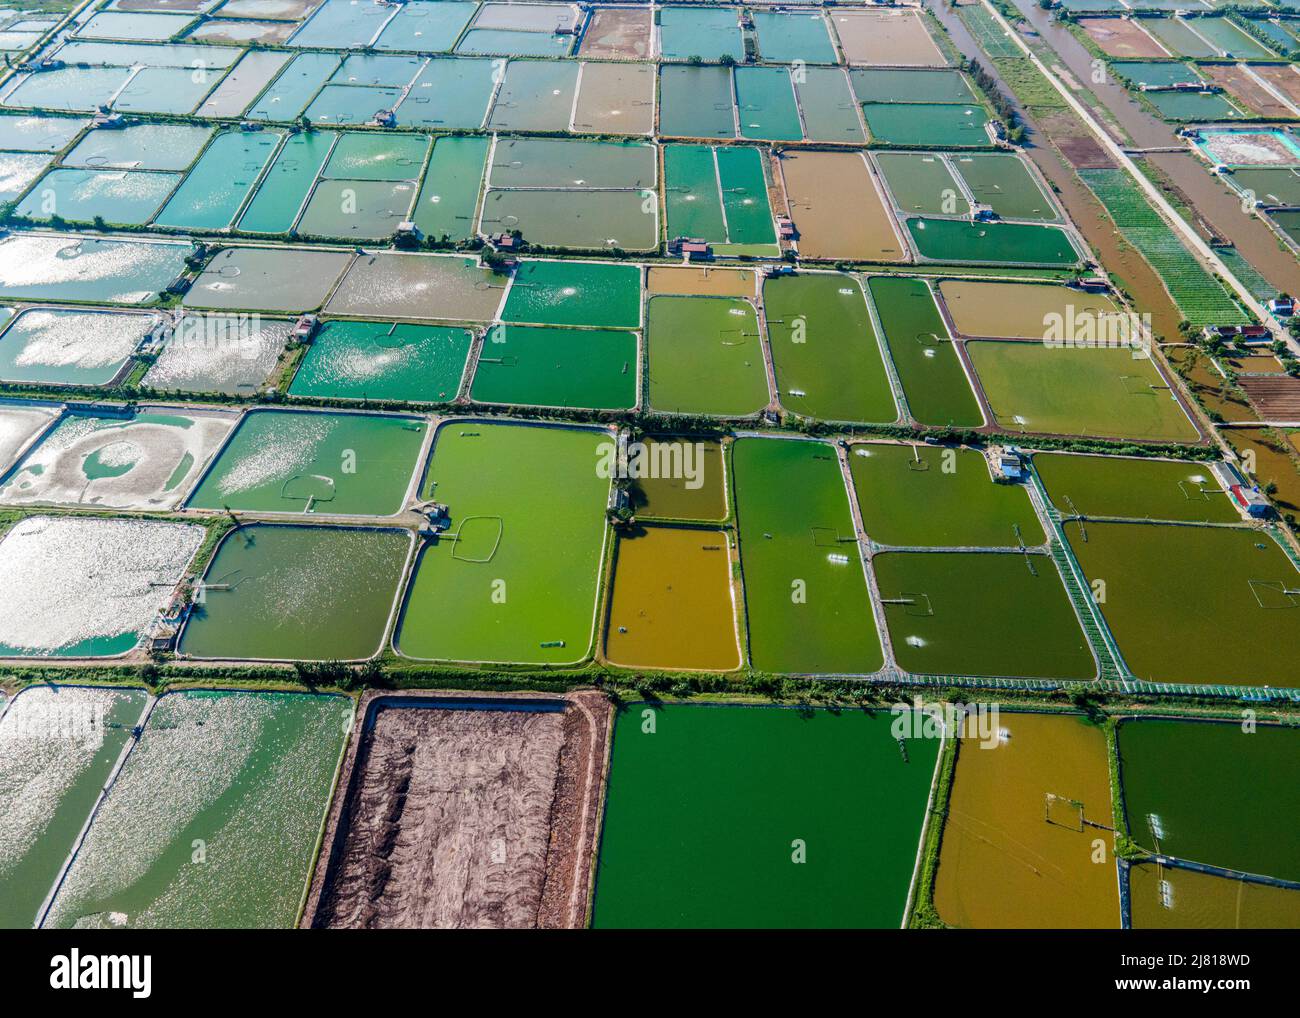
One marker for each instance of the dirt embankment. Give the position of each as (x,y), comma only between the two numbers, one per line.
(462,817)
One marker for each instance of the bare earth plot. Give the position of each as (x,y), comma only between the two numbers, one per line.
(456,814)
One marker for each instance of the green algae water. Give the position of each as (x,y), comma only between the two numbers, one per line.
(947,615)
(706,356)
(379,361)
(824,349)
(933,379)
(597,294)
(956,240)
(449,198)
(927,496)
(765,99)
(1195,604)
(58,745)
(1134,488)
(213,821)
(1212,793)
(309,593)
(341,464)
(805,593)
(515,578)
(590,369)
(1101,391)
(216,187)
(707,804)
(284,189)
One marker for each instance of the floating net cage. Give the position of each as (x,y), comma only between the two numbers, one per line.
(1062,811)
(308,488)
(491,526)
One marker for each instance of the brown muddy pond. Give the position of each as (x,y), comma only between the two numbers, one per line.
(1165,898)
(1025,822)
(672,604)
(819,187)
(615,99)
(689,281)
(696,491)
(1021,310)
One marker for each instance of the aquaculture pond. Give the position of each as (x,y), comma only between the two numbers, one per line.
(696,102)
(925,495)
(118,458)
(931,372)
(700,281)
(944,620)
(119,197)
(671,603)
(267,279)
(535,95)
(805,593)
(1103,391)
(383,361)
(91,269)
(616,99)
(214,818)
(922,182)
(705,356)
(450,94)
(1135,488)
(819,187)
(287,461)
(230,354)
(598,294)
(1018,841)
(956,240)
(448,203)
(719,194)
(63,346)
(684,478)
(830,112)
(388,285)
(140,147)
(787,36)
(1170,898)
(1195,604)
(310,593)
(357,209)
(589,369)
(766,102)
(708,34)
(1024,310)
(515,576)
(1006,184)
(948,125)
(824,349)
(226,173)
(74,587)
(578,220)
(20,425)
(823,833)
(59,744)
(1218,793)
